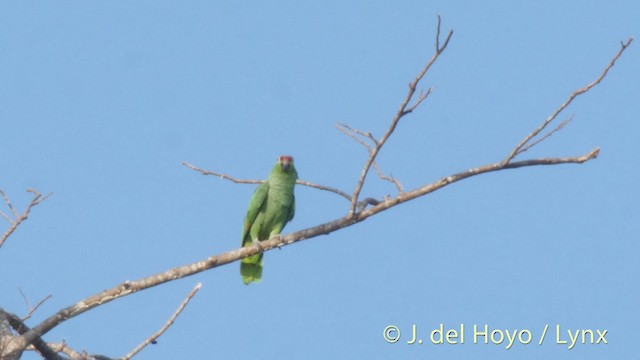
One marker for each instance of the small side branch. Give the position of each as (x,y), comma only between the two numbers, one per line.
(152,339)
(19,218)
(404,109)
(437,185)
(62,347)
(251,181)
(542,138)
(360,137)
(222,176)
(73,354)
(356,135)
(520,148)
(31,309)
(388,178)
(325,188)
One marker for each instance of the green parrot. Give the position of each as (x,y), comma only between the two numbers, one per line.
(271,207)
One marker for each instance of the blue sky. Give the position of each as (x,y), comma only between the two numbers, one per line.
(101,102)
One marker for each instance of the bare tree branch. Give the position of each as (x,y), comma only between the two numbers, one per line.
(429,188)
(356,135)
(542,138)
(130,287)
(362,204)
(63,348)
(325,188)
(5,216)
(19,218)
(402,111)
(250,181)
(518,149)
(72,354)
(20,343)
(13,210)
(388,178)
(423,95)
(152,339)
(222,176)
(11,345)
(29,307)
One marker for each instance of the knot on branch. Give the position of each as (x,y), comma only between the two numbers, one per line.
(362,204)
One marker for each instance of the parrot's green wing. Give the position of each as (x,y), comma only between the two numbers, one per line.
(257,201)
(292,211)
(251,267)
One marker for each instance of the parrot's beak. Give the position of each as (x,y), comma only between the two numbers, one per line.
(285,166)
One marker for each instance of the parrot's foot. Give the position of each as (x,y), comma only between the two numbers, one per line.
(256,242)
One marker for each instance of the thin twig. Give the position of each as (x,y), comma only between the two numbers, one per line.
(19,218)
(222,176)
(6,200)
(6,217)
(448,180)
(438,34)
(325,188)
(62,347)
(542,138)
(250,181)
(421,98)
(152,339)
(402,111)
(31,309)
(567,102)
(353,133)
(24,298)
(72,354)
(389,178)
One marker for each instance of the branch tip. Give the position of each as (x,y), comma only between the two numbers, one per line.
(154,337)
(403,110)
(19,218)
(519,148)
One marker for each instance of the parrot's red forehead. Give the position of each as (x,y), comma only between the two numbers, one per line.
(285,158)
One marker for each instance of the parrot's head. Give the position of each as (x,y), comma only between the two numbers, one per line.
(285,162)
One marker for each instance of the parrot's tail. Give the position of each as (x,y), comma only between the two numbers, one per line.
(251,269)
